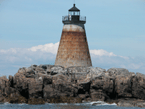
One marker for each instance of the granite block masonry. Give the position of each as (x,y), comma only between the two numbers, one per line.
(73,48)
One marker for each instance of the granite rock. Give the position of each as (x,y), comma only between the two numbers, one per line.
(56,84)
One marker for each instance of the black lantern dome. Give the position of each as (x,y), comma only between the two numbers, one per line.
(74,17)
(74,8)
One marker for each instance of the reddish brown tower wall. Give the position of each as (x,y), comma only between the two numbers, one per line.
(73,48)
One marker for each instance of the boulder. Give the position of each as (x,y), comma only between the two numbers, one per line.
(29,73)
(4,86)
(63,84)
(122,79)
(22,70)
(95,72)
(131,103)
(57,70)
(20,82)
(138,86)
(118,71)
(103,83)
(75,69)
(47,80)
(40,70)
(123,86)
(35,88)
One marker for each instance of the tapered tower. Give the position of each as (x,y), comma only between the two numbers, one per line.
(73,48)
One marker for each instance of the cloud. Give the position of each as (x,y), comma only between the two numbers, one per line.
(12,59)
(35,55)
(52,48)
(136,64)
(101,52)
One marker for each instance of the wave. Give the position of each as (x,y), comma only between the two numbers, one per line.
(22,104)
(96,103)
(56,103)
(6,103)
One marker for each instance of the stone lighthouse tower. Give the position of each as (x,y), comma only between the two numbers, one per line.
(73,48)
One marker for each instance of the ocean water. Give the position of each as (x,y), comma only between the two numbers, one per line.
(101,105)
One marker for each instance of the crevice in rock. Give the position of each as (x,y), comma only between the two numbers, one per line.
(131,80)
(113,95)
(81,91)
(25,93)
(11,83)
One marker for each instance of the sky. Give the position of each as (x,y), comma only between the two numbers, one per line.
(30,32)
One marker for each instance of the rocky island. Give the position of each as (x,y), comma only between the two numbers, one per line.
(56,84)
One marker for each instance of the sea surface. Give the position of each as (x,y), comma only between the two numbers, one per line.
(65,106)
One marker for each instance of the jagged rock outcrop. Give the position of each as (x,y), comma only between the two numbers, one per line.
(131,103)
(56,84)
(138,86)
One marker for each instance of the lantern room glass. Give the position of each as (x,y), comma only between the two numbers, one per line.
(74,13)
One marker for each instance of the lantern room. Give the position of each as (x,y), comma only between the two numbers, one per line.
(74,11)
(73,16)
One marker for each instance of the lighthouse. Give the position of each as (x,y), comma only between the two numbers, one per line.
(73,47)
